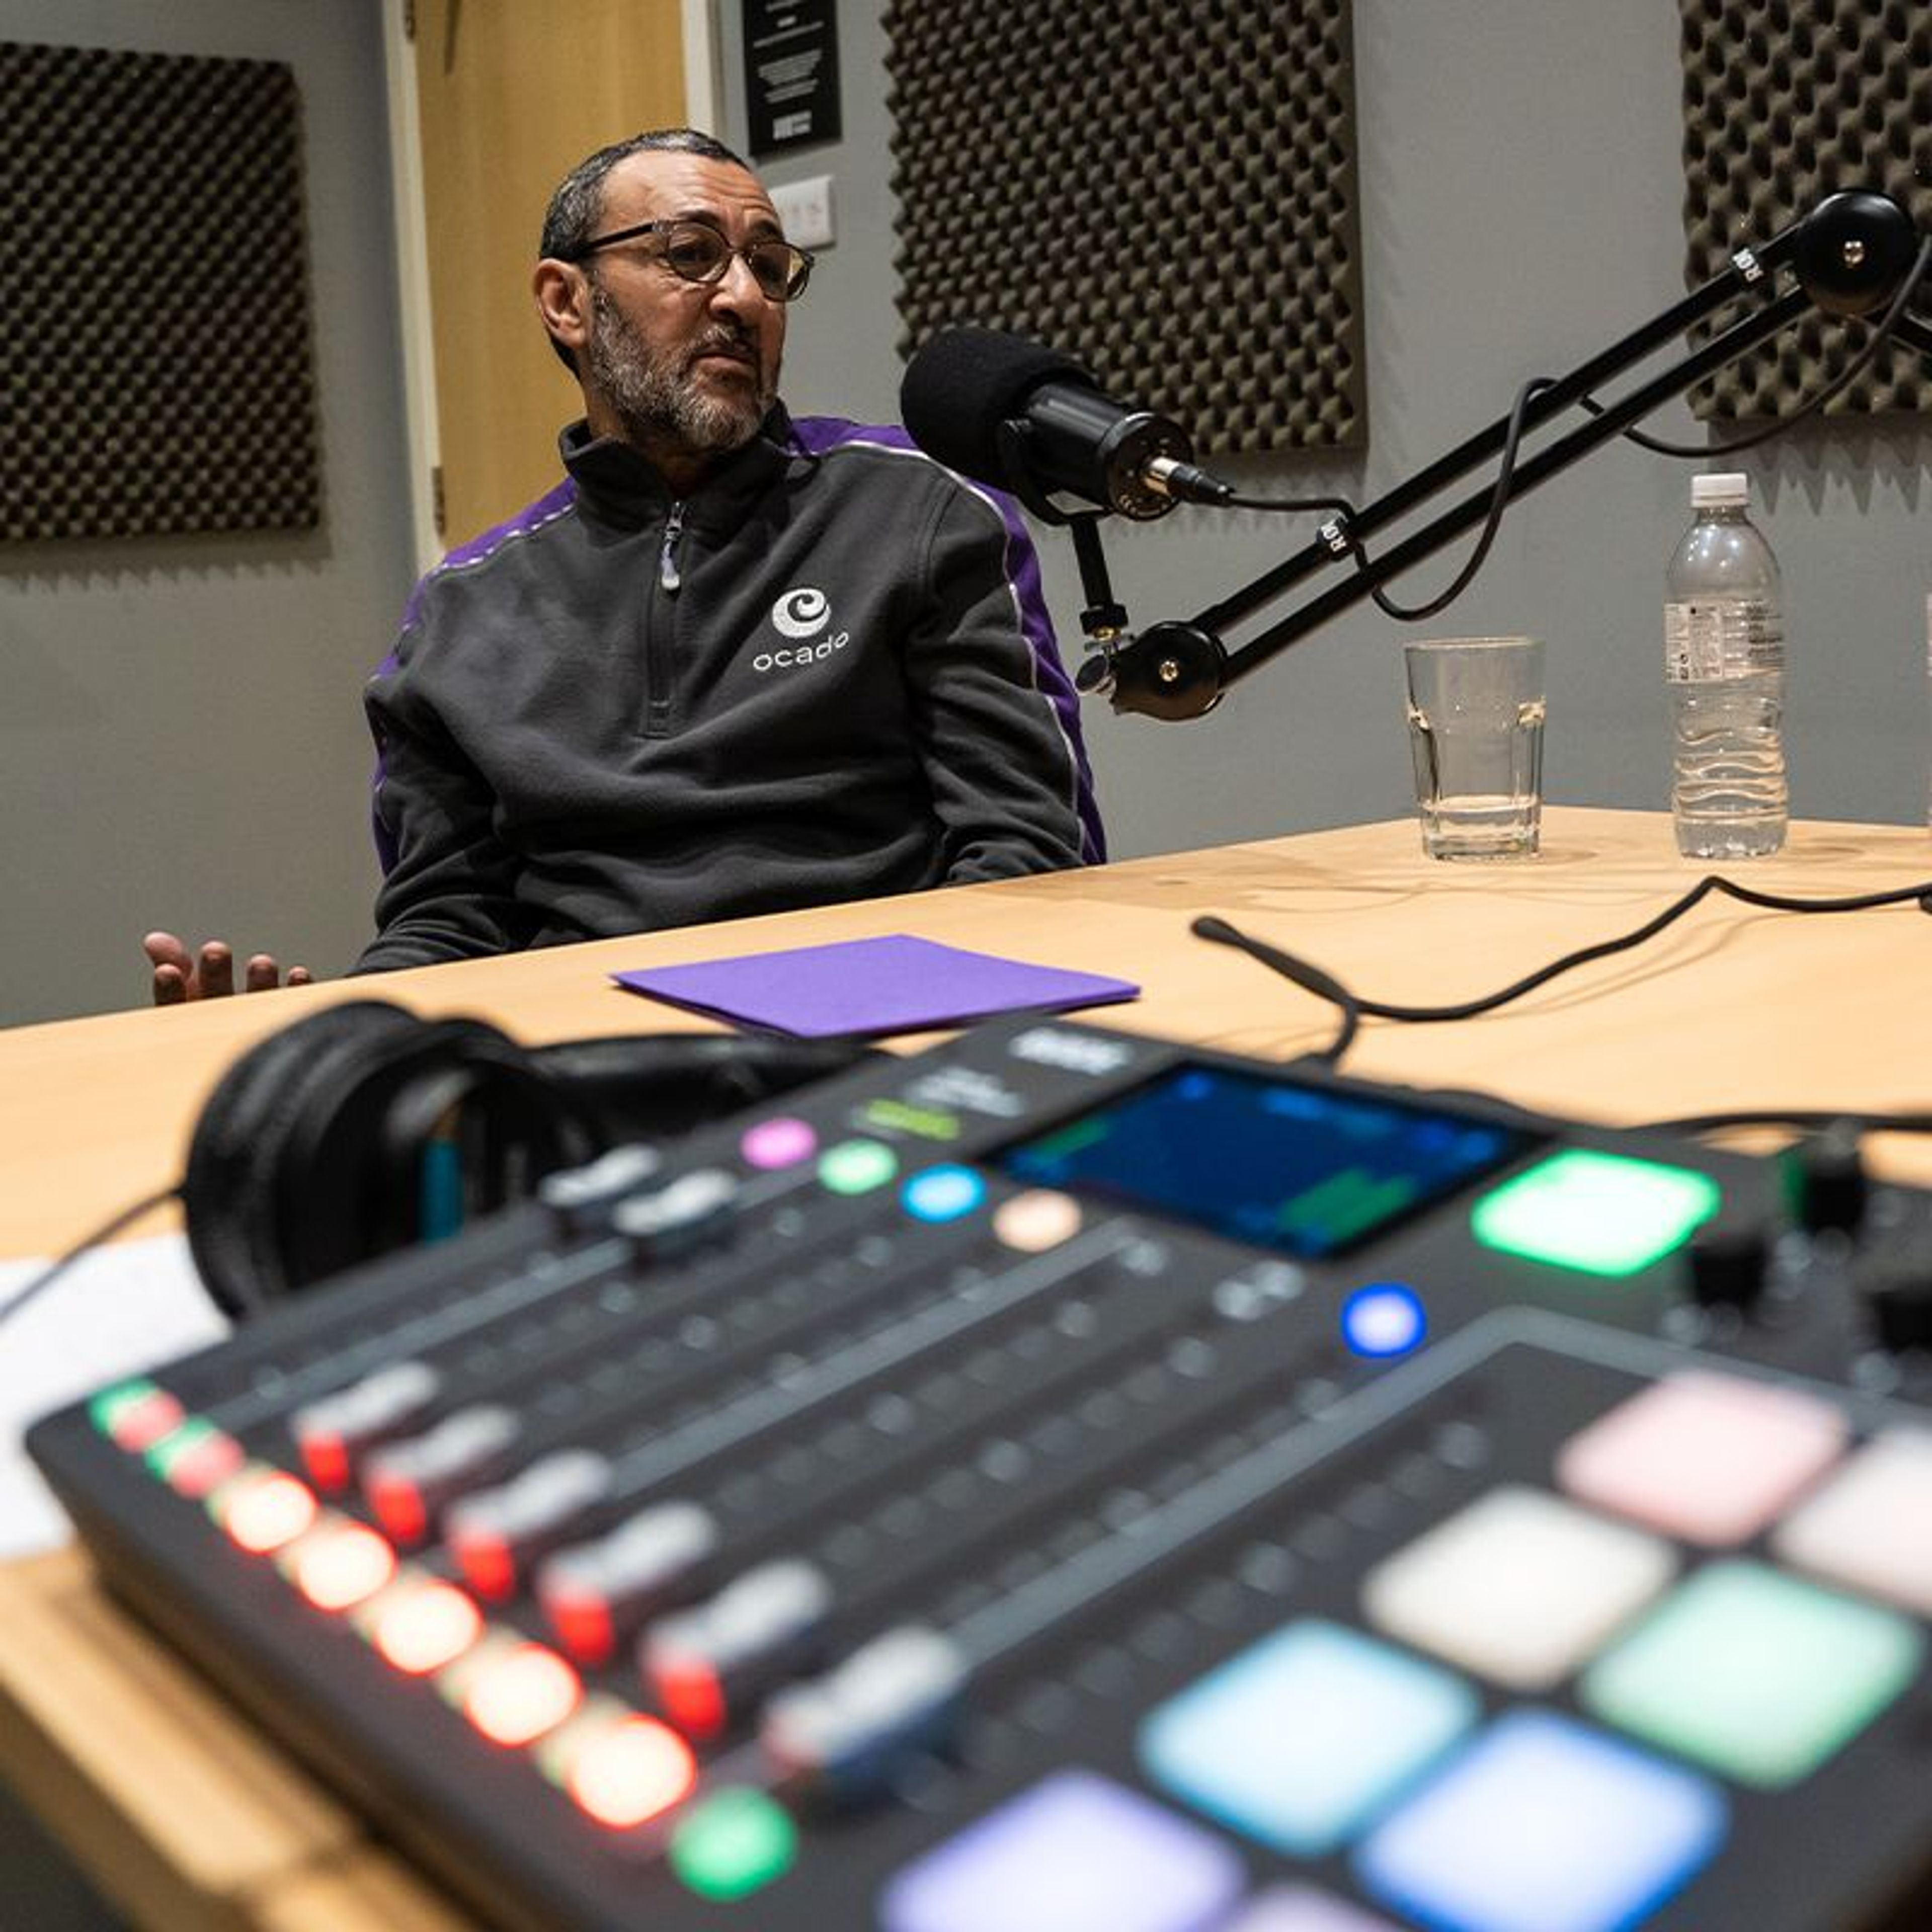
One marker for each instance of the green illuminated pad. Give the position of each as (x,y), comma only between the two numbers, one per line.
(1758,1675)
(1600,1212)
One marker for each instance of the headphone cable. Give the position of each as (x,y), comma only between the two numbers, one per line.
(37,1285)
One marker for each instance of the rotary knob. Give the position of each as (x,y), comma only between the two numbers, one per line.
(1826,1176)
(1896,1287)
(1729,1260)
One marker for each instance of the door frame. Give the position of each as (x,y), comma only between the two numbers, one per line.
(704,106)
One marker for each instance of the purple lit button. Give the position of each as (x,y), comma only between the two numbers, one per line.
(1301,1908)
(1075,1852)
(783,1141)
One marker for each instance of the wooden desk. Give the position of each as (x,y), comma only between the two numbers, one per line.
(190,1819)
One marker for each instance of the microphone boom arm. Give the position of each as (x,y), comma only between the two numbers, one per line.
(1849,255)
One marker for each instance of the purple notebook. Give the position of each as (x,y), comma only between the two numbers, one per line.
(896,984)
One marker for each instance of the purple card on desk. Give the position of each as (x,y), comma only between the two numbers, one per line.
(896,984)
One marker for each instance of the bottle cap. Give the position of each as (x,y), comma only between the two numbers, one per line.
(1727,487)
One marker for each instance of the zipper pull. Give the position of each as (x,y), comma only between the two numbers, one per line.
(667,570)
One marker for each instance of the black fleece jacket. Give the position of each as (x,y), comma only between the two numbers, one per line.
(828,674)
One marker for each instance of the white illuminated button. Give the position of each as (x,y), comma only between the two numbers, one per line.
(1544,1826)
(1040,1219)
(1870,1526)
(1520,1586)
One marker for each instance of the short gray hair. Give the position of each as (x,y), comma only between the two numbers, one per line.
(577,206)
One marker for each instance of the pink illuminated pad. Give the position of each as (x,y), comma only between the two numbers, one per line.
(1710,1458)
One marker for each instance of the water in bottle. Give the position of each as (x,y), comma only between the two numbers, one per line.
(1724,664)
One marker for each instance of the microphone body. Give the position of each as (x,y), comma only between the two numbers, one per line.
(1011,412)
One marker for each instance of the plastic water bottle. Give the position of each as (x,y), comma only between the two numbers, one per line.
(1723,628)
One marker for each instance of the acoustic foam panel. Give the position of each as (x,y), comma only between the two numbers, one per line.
(1166,193)
(154,328)
(1786,101)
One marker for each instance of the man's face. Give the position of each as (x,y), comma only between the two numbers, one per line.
(692,363)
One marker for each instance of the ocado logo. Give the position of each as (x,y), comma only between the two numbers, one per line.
(796,658)
(800,613)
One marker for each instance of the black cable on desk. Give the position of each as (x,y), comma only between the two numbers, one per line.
(1354,1007)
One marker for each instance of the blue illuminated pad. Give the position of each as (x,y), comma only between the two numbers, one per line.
(1300,1738)
(1544,1826)
(1075,1852)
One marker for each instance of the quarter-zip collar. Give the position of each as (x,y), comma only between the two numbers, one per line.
(618,486)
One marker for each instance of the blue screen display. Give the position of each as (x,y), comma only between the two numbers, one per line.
(1267,1161)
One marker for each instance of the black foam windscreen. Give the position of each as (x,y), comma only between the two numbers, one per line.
(964,383)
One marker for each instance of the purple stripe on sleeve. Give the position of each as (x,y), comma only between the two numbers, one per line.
(814,436)
(479,550)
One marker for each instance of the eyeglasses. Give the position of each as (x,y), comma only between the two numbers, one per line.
(696,251)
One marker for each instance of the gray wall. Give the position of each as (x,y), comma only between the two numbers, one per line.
(1521,189)
(180,733)
(181,740)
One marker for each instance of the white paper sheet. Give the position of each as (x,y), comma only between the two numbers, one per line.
(122,1309)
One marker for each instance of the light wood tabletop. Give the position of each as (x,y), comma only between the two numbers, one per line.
(1733,1007)
(190,1819)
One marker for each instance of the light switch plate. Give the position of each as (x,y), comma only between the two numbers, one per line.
(804,211)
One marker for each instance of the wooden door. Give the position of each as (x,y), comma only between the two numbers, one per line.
(510,95)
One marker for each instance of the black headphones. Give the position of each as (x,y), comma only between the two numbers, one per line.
(363,1128)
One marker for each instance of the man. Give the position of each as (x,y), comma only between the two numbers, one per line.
(734,663)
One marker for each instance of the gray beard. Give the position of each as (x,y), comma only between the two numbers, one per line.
(653,399)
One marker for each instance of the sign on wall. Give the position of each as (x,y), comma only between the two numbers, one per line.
(791,73)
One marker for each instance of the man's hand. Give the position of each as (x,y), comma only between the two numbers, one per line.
(181,976)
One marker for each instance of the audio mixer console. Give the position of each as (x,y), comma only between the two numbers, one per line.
(1069,1482)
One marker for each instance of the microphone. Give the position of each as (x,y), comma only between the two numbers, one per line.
(1023,417)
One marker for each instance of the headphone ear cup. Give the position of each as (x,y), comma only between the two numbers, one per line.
(229,1192)
(414,1137)
(656,1086)
(362,1128)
